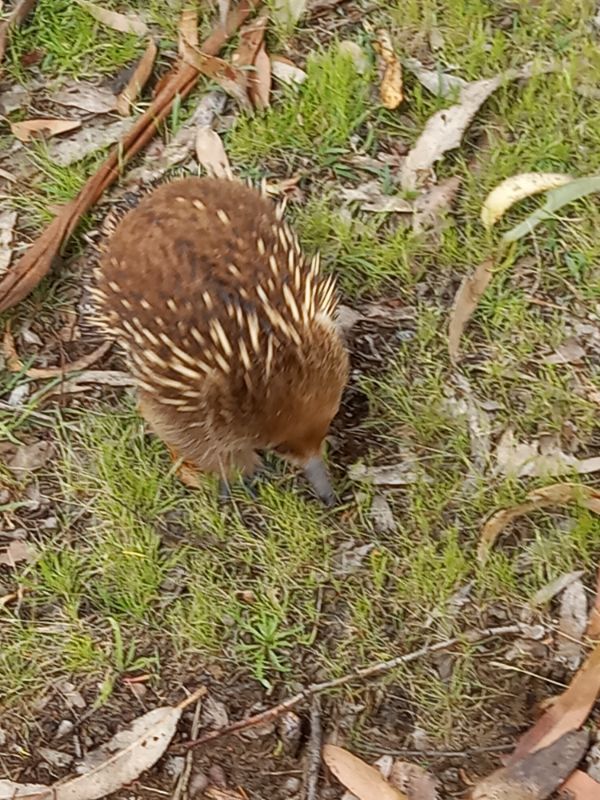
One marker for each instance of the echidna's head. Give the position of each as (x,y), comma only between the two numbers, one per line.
(304,420)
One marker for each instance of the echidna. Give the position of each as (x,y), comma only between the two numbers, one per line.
(227,327)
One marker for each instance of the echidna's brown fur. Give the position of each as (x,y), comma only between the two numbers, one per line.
(228,329)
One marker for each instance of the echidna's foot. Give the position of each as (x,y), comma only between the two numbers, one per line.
(249,482)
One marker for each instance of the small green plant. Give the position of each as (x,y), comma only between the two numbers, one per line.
(265,642)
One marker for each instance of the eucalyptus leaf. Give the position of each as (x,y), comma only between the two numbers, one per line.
(555,199)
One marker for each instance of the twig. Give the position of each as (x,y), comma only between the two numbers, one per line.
(360,674)
(313,751)
(184,778)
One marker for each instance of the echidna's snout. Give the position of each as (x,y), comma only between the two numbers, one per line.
(318,476)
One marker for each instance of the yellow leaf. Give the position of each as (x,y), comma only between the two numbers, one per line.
(391,88)
(363,780)
(517,188)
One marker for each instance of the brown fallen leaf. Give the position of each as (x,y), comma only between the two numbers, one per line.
(371,198)
(87,97)
(251,38)
(536,775)
(8,220)
(138,79)
(414,781)
(15,552)
(360,778)
(251,54)
(466,301)
(445,129)
(229,77)
(557,494)
(211,154)
(593,629)
(123,23)
(567,713)
(391,86)
(178,83)
(218,793)
(31,128)
(188,30)
(16,16)
(580,786)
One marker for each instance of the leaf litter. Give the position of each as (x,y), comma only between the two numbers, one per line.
(517,188)
(138,79)
(30,129)
(122,23)
(391,87)
(572,624)
(541,458)
(86,97)
(8,220)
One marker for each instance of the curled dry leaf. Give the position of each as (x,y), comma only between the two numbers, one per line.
(391,86)
(251,53)
(211,154)
(517,188)
(572,623)
(259,84)
(138,79)
(466,301)
(445,129)
(31,128)
(123,23)
(286,72)
(555,200)
(557,494)
(536,775)
(8,220)
(363,780)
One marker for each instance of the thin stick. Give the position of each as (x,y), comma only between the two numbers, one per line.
(193,697)
(375,670)
(313,751)
(184,779)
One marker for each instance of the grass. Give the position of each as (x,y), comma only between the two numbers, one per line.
(140,574)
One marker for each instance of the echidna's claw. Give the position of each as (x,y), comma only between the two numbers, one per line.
(318,477)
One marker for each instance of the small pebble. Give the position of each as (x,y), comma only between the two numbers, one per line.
(292,785)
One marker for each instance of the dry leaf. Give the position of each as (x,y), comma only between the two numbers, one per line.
(557,494)
(568,711)
(532,459)
(8,220)
(231,79)
(123,23)
(438,83)
(87,97)
(16,791)
(251,38)
(555,200)
(391,86)
(467,298)
(572,623)
(288,12)
(581,786)
(569,352)
(593,629)
(223,11)
(445,129)
(434,202)
(15,552)
(138,79)
(371,198)
(19,11)
(349,558)
(285,72)
(89,139)
(211,154)
(177,84)
(188,30)
(517,188)
(391,475)
(360,778)
(537,775)
(29,457)
(15,365)
(555,587)
(259,83)
(31,128)
(356,53)
(416,782)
